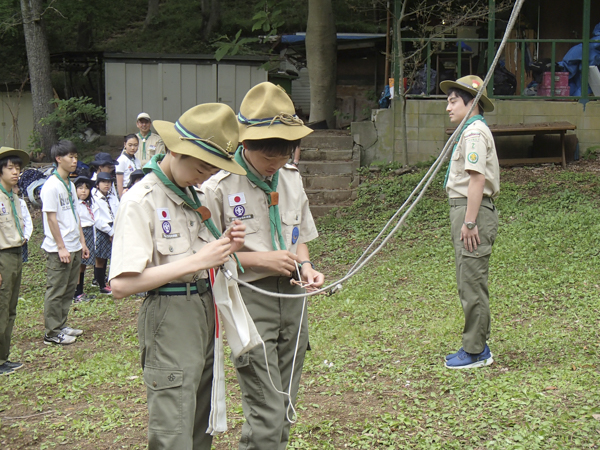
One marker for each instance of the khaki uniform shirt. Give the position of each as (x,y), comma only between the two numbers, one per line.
(231,197)
(155,227)
(475,151)
(152,145)
(9,234)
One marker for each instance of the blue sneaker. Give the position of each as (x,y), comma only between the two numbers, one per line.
(453,355)
(466,360)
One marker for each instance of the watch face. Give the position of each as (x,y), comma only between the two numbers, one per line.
(470,226)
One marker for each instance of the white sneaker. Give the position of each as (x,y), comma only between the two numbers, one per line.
(72,331)
(61,339)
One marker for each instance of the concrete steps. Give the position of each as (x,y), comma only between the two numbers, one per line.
(328,166)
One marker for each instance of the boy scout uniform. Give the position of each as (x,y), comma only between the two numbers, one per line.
(149,146)
(11,264)
(277,320)
(176,323)
(475,151)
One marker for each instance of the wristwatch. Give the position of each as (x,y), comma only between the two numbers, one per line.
(470,225)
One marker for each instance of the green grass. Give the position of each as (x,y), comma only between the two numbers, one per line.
(383,336)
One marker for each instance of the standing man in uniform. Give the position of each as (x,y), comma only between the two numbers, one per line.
(150,143)
(164,243)
(472,181)
(272,203)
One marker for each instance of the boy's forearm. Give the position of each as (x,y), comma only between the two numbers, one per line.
(55,229)
(302,252)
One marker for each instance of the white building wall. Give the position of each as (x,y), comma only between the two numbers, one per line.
(16,119)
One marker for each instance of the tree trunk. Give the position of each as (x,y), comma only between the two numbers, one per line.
(152,11)
(210,17)
(321,59)
(38,60)
(400,87)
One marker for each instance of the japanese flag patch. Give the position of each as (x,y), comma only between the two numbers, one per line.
(237,199)
(163,213)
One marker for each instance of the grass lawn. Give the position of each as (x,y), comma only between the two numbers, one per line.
(375,377)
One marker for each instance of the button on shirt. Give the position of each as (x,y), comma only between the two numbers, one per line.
(9,233)
(154,227)
(475,151)
(220,192)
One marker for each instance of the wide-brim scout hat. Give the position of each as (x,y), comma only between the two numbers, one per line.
(103,159)
(267,112)
(83,180)
(208,132)
(7,151)
(103,176)
(472,84)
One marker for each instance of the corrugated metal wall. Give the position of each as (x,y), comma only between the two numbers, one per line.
(166,90)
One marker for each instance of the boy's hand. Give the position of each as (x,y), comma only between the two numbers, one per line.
(236,235)
(310,275)
(85,252)
(280,261)
(64,255)
(213,254)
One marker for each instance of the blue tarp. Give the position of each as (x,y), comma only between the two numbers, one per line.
(572,62)
(299,38)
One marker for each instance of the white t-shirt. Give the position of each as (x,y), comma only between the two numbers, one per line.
(27,223)
(126,166)
(55,198)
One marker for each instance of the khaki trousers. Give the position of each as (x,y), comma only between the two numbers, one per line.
(62,279)
(277,321)
(472,272)
(10,268)
(176,336)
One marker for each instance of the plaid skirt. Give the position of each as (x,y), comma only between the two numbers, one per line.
(88,234)
(25,252)
(103,245)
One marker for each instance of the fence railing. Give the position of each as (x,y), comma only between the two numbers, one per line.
(432,49)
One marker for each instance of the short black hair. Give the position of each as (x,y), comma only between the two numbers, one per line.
(130,136)
(13,159)
(62,148)
(465,96)
(272,146)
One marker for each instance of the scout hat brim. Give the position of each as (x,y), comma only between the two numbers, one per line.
(445,86)
(207,132)
(7,151)
(81,179)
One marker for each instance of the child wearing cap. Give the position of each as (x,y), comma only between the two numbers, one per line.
(64,244)
(472,181)
(88,213)
(150,143)
(11,239)
(164,243)
(108,205)
(128,162)
(272,203)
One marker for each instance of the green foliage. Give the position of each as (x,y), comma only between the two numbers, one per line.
(72,116)
(591,153)
(231,47)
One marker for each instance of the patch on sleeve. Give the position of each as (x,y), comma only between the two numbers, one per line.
(473,157)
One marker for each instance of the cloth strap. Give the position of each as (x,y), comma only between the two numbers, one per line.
(68,188)
(143,139)
(14,210)
(193,202)
(467,123)
(268,189)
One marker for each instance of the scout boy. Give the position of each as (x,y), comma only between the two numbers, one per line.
(162,244)
(272,203)
(12,238)
(472,181)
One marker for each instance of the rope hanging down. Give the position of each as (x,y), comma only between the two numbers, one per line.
(419,191)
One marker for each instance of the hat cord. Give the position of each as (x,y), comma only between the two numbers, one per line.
(280,119)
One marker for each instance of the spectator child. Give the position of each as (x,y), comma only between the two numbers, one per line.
(135,177)
(64,245)
(11,239)
(128,162)
(108,205)
(88,211)
(103,162)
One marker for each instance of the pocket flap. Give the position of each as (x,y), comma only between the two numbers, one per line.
(158,379)
(241,361)
(291,217)
(169,247)
(482,250)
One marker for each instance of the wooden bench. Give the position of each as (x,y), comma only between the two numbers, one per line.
(522,129)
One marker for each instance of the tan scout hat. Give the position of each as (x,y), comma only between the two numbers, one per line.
(7,151)
(472,84)
(268,112)
(208,132)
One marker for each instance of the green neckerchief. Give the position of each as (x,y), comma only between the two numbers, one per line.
(144,142)
(68,188)
(14,210)
(194,202)
(267,188)
(467,123)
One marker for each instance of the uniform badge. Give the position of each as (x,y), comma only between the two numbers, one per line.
(3,209)
(473,157)
(239,211)
(166,226)
(295,235)
(237,199)
(163,214)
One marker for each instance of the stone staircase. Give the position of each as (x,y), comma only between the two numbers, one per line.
(328,165)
